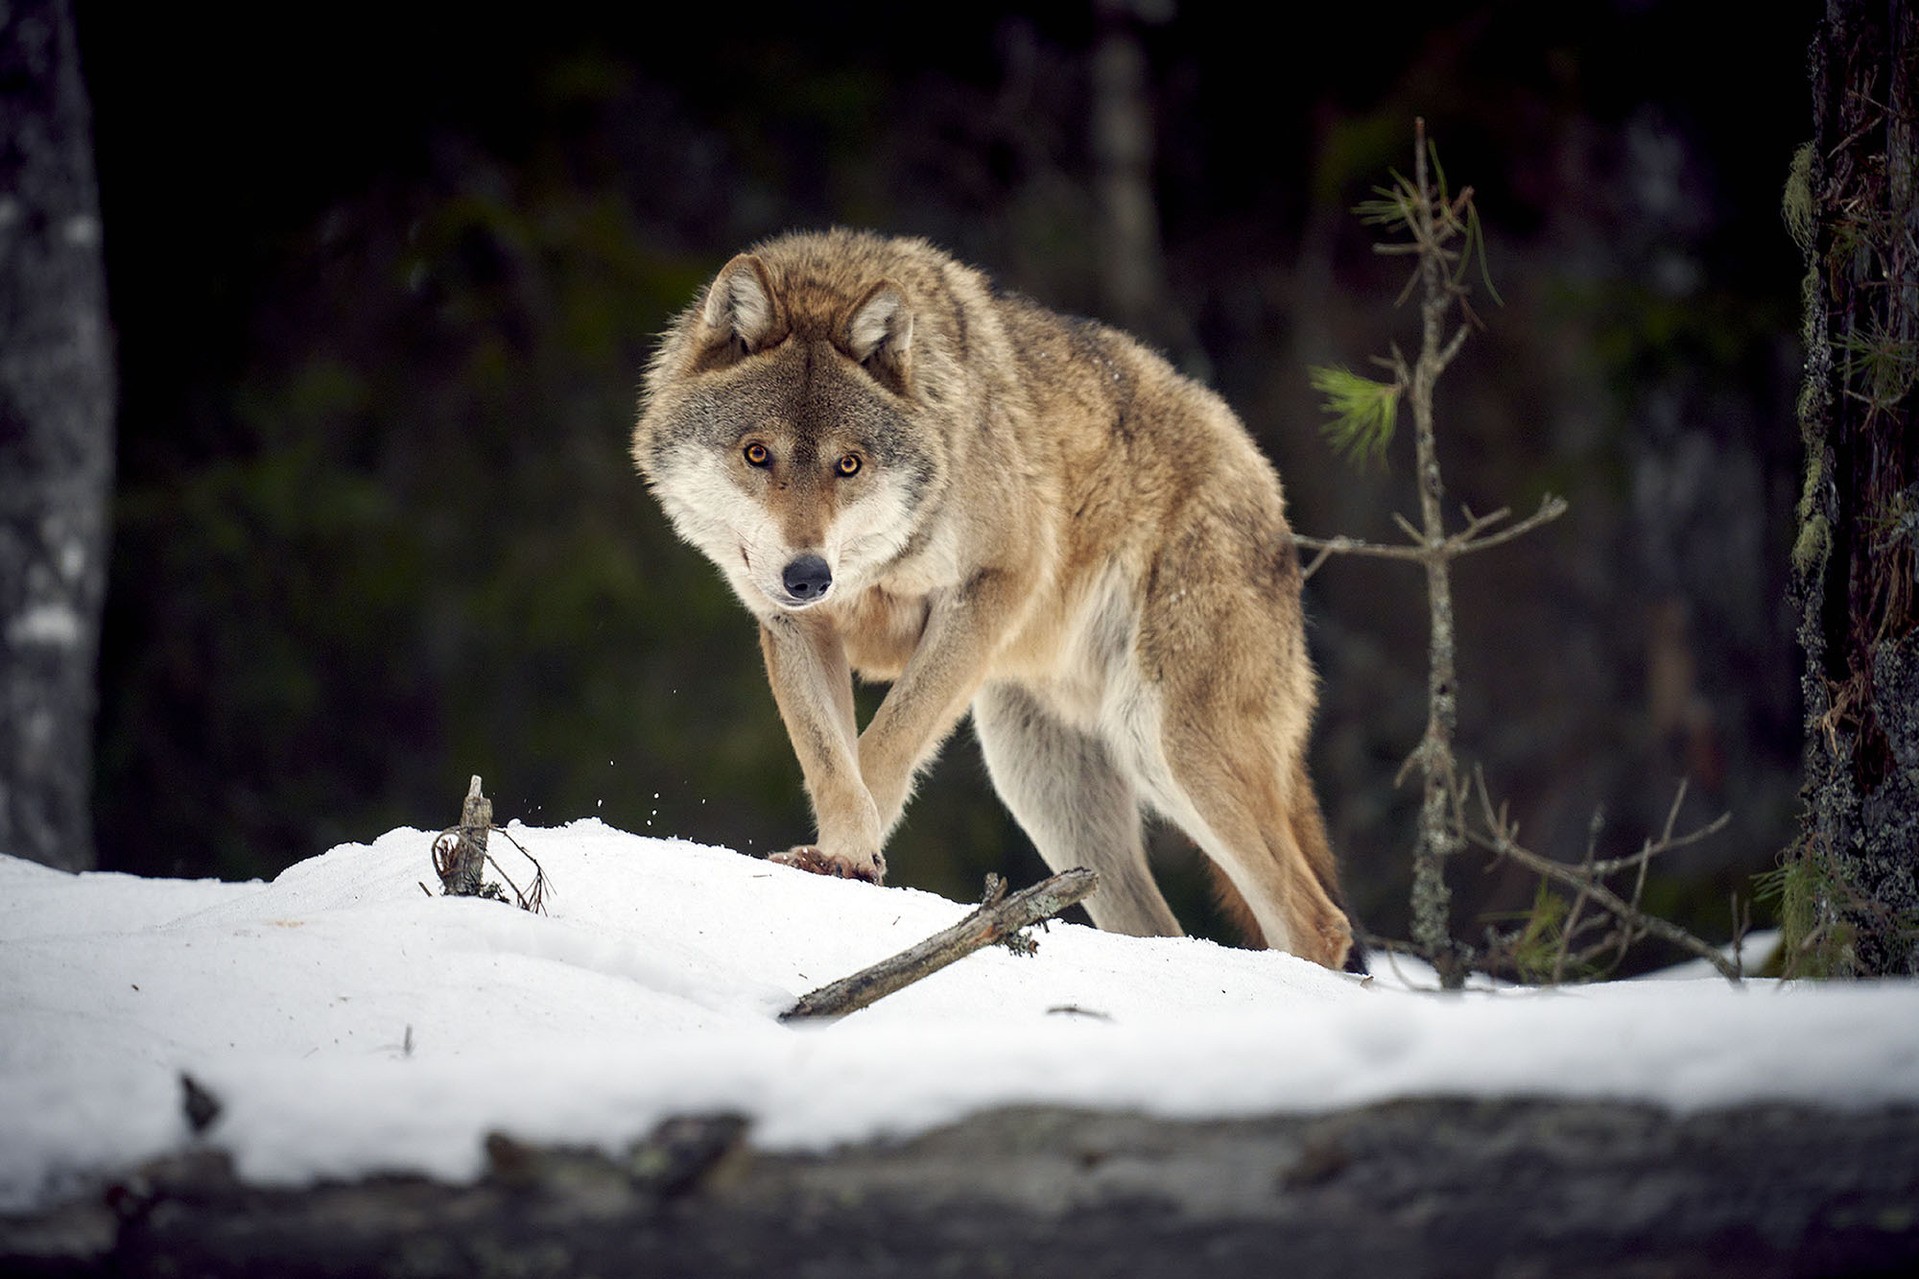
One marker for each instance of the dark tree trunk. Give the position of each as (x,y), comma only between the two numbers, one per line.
(1134,279)
(1855,903)
(1132,264)
(56,438)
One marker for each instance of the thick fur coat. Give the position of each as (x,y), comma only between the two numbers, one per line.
(908,474)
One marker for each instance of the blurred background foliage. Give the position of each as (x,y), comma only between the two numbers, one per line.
(384,277)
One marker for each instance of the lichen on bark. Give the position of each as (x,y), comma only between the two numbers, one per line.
(1849,882)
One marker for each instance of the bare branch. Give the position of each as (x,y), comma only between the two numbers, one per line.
(1495,840)
(1666,842)
(994,921)
(1451,348)
(1354,546)
(1741,925)
(534,900)
(1613,865)
(1570,931)
(1419,551)
(1306,573)
(1550,508)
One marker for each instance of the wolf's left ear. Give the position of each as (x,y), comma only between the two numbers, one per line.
(741,302)
(879,333)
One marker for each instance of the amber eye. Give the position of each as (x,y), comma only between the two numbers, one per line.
(756,454)
(848,465)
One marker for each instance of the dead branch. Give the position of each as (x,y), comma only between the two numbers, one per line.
(460,858)
(459,854)
(1551,507)
(1666,842)
(534,899)
(1417,551)
(994,921)
(1498,837)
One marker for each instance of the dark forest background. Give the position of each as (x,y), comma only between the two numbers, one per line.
(383,278)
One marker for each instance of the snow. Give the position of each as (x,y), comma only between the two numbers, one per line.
(350,1023)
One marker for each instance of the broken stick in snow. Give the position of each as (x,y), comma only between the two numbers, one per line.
(460,857)
(994,921)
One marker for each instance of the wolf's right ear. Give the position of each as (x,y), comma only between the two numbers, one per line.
(741,304)
(879,334)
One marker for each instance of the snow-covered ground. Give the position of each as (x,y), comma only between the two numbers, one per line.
(350,1023)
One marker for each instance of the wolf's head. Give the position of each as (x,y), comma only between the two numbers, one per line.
(782,422)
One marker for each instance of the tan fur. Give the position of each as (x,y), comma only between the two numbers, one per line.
(1043,523)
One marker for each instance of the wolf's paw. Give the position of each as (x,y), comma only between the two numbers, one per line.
(810,857)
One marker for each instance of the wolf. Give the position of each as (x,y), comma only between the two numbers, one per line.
(911,475)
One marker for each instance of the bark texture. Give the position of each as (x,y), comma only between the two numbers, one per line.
(1438,837)
(1418,1188)
(56,438)
(1856,558)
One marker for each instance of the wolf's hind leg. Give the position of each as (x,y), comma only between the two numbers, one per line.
(1074,804)
(1251,822)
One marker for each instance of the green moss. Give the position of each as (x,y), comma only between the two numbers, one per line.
(1809,491)
(1809,304)
(1815,939)
(1796,205)
(1811,409)
(1812,546)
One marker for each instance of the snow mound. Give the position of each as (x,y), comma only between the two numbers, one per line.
(351,1023)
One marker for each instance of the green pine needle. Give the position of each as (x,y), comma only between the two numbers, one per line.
(1439,170)
(1476,248)
(1361,413)
(1393,208)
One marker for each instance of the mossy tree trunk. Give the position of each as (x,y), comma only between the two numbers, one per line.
(56,438)
(1852,883)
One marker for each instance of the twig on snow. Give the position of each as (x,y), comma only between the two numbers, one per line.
(998,919)
(460,857)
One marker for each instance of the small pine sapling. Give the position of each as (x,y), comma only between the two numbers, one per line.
(1440,230)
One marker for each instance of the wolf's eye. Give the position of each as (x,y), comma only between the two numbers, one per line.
(848,464)
(756,454)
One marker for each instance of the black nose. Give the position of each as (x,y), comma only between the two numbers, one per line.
(807,577)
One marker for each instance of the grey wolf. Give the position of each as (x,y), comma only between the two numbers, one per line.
(907,474)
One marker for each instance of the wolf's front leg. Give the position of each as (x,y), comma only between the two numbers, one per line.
(964,630)
(806,665)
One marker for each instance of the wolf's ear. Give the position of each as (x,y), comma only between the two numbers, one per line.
(879,333)
(741,302)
